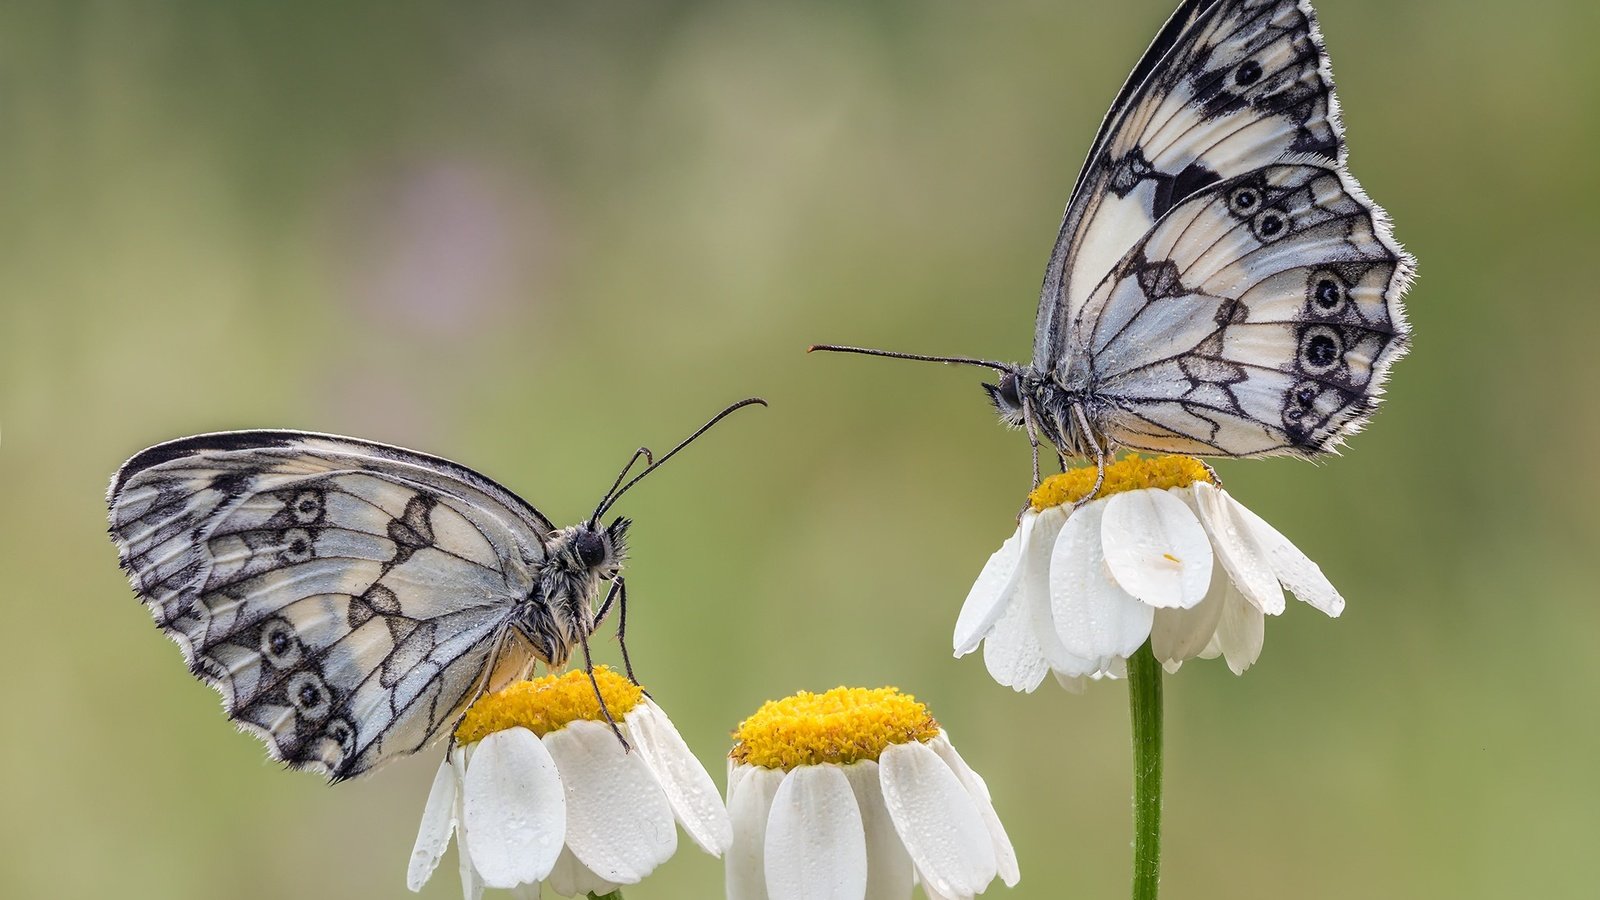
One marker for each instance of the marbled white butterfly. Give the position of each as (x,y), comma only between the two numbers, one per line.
(1221,285)
(350,599)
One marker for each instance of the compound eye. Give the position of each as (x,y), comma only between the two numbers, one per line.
(1011,390)
(590,547)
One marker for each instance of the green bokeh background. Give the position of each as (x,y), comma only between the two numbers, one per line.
(530,236)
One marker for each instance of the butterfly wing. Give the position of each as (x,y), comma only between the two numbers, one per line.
(346,598)
(1260,316)
(1227,87)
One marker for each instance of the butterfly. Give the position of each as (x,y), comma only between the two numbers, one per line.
(1221,285)
(350,599)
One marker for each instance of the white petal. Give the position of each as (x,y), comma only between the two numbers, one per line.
(619,822)
(1072,684)
(938,820)
(1156,549)
(816,848)
(1297,572)
(749,805)
(1012,653)
(991,593)
(889,870)
(1241,632)
(526,891)
(1094,618)
(438,823)
(736,771)
(471,884)
(1180,634)
(571,878)
(1033,594)
(686,783)
(1005,856)
(513,809)
(1238,549)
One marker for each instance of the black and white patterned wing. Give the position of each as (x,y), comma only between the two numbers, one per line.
(346,598)
(1259,317)
(1227,87)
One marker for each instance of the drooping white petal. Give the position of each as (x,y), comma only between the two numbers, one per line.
(1005,856)
(438,823)
(889,871)
(1180,634)
(1238,549)
(1155,548)
(1095,618)
(1240,632)
(735,773)
(939,821)
(749,805)
(816,847)
(527,891)
(991,593)
(513,809)
(686,783)
(1072,684)
(571,878)
(619,822)
(1033,594)
(471,884)
(1012,653)
(1297,572)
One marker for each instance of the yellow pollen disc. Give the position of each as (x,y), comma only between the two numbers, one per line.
(1130,473)
(840,726)
(548,704)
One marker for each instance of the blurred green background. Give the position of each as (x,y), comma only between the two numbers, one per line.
(530,236)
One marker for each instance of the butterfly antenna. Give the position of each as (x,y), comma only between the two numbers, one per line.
(616,493)
(956,360)
(648,460)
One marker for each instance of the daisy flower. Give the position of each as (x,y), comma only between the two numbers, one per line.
(538,789)
(857,794)
(1162,554)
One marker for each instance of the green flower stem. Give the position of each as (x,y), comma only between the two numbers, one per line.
(1144,704)
(614,895)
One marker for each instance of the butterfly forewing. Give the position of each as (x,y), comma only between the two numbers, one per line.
(1258,317)
(1228,87)
(346,598)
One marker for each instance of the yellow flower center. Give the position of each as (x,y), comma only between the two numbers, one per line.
(840,726)
(548,704)
(1130,473)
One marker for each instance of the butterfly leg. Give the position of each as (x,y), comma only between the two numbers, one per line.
(588,666)
(618,593)
(1033,436)
(605,607)
(622,631)
(1094,447)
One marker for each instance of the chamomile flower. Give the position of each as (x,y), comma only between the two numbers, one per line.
(539,789)
(1162,554)
(857,794)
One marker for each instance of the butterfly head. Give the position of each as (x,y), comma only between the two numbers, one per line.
(1007,398)
(600,551)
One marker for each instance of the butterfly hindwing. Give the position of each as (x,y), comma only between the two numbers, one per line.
(345,598)
(1228,87)
(1259,316)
